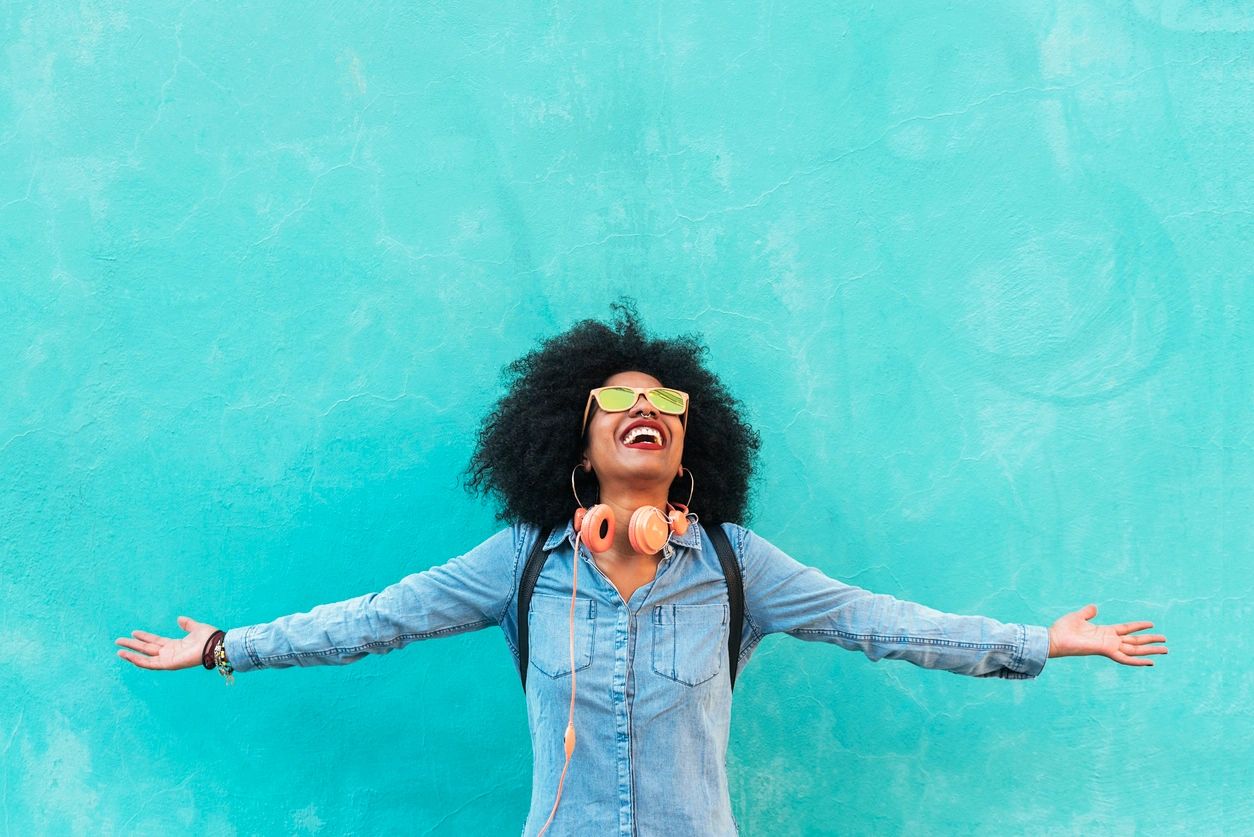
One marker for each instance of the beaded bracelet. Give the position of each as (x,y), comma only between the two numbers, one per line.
(214,655)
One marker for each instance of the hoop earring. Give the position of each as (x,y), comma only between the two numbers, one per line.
(692,483)
(677,516)
(595,525)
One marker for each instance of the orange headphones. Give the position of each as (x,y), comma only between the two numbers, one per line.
(648,530)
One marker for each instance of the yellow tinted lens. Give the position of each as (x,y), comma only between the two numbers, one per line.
(614,399)
(667,400)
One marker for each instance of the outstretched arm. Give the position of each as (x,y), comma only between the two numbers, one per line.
(467,593)
(1074,636)
(783,595)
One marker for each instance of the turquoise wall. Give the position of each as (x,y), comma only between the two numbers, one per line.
(980,273)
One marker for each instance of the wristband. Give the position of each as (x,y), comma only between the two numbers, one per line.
(206,654)
(214,656)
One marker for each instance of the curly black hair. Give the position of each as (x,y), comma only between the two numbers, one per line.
(526,449)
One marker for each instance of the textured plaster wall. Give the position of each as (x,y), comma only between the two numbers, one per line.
(980,272)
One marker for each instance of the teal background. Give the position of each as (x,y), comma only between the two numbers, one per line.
(980,273)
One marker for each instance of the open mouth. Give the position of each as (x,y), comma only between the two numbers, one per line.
(643,438)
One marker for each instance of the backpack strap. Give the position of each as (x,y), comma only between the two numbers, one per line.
(735,593)
(526,584)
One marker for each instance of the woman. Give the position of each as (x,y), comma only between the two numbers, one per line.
(628,676)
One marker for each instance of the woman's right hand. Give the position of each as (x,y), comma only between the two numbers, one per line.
(164,653)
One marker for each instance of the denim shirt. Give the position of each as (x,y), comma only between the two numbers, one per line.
(653,693)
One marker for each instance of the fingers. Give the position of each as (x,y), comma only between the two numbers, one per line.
(1141,645)
(1138,646)
(1143,639)
(1120,657)
(149,648)
(147,637)
(138,659)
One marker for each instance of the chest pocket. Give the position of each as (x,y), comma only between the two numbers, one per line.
(549,633)
(689,642)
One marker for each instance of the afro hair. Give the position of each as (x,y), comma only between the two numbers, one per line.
(530,442)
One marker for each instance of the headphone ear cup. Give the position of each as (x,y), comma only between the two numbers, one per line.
(648,530)
(596,527)
(679,519)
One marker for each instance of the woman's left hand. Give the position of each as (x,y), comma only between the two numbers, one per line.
(1074,636)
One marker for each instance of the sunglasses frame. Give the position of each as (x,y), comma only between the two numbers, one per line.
(637,391)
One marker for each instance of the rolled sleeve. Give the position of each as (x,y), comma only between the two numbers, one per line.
(237,652)
(1032,653)
(467,593)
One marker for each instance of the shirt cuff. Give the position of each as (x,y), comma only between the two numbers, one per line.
(1035,650)
(237,653)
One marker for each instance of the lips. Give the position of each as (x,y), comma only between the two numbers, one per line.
(655,425)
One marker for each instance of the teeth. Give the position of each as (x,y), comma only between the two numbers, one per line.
(637,433)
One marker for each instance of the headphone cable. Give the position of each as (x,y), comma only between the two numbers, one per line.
(569,737)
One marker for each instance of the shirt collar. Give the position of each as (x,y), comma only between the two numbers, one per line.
(691,538)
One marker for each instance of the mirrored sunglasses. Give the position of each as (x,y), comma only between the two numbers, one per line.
(616,399)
